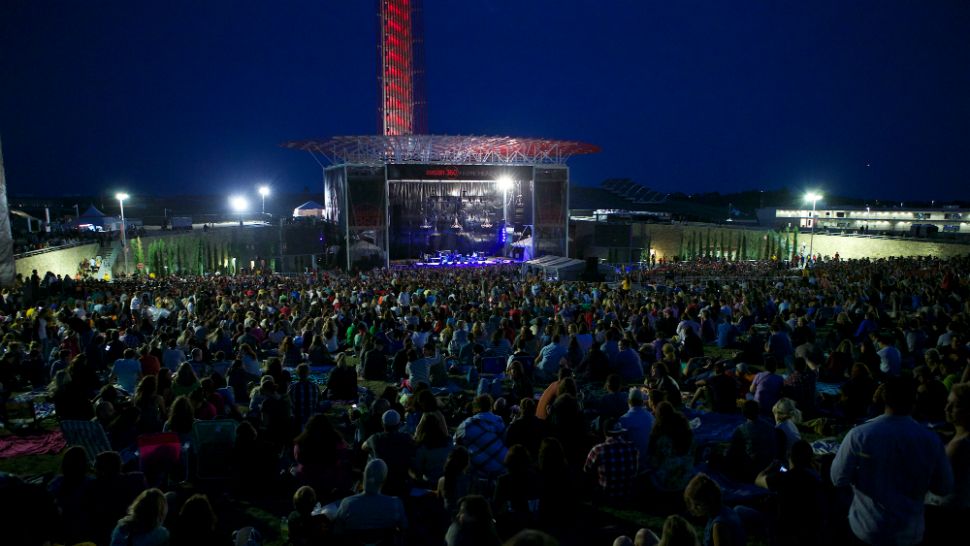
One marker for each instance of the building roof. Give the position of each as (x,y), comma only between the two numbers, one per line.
(446,149)
(310,205)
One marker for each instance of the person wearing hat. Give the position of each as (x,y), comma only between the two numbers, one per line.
(395,448)
(613,464)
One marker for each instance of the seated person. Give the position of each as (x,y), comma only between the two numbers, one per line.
(371,510)
(304,527)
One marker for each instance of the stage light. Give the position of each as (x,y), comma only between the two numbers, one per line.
(504,183)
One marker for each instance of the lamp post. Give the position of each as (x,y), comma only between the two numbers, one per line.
(814,198)
(239,204)
(121,196)
(263,192)
(505,184)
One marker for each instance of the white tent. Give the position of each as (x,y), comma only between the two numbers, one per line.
(310,208)
(562,268)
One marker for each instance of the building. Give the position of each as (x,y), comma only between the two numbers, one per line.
(921,222)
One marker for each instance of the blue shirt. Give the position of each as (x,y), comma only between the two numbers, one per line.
(891,462)
(638,423)
(548,366)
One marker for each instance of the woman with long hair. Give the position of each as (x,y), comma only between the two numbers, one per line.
(433,446)
(456,480)
(151,406)
(185,380)
(143,524)
(670,449)
(838,363)
(250,360)
(181,418)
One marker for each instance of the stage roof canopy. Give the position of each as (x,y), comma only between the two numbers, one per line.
(444,149)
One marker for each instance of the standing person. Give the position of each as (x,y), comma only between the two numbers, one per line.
(949,512)
(891,462)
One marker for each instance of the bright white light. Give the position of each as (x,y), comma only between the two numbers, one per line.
(238,203)
(504,183)
(121,196)
(812,196)
(264,190)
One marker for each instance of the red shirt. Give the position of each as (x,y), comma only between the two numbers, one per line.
(149,365)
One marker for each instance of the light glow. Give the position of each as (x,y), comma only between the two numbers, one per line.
(238,203)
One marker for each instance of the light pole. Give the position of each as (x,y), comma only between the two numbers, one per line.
(239,204)
(121,196)
(814,198)
(505,184)
(263,192)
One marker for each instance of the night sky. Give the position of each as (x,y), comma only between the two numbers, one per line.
(856,98)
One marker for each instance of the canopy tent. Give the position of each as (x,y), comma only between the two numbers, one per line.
(310,208)
(97,220)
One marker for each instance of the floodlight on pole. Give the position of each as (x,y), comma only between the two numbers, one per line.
(121,196)
(263,192)
(240,205)
(814,197)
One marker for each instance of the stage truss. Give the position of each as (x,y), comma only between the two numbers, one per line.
(444,149)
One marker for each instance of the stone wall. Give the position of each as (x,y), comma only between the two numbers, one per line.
(669,240)
(863,247)
(60,262)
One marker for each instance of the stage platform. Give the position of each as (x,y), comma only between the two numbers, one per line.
(447,260)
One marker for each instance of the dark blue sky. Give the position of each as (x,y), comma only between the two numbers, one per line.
(863,98)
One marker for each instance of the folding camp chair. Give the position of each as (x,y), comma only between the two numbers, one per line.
(87,434)
(211,445)
(159,456)
(493,364)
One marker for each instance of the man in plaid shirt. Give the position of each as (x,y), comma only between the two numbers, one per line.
(304,395)
(615,463)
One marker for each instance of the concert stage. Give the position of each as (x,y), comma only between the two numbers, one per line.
(446,259)
(406,197)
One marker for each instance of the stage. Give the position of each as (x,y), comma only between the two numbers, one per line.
(410,198)
(447,259)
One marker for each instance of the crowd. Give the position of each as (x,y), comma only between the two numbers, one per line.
(482,406)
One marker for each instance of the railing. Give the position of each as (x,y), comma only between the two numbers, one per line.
(40,251)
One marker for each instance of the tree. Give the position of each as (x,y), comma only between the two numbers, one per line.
(139,253)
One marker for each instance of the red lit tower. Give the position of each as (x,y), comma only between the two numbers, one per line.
(402,109)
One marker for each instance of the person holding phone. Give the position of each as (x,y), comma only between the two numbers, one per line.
(800,493)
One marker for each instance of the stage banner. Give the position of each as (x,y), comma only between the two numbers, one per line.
(551,187)
(366,192)
(551,210)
